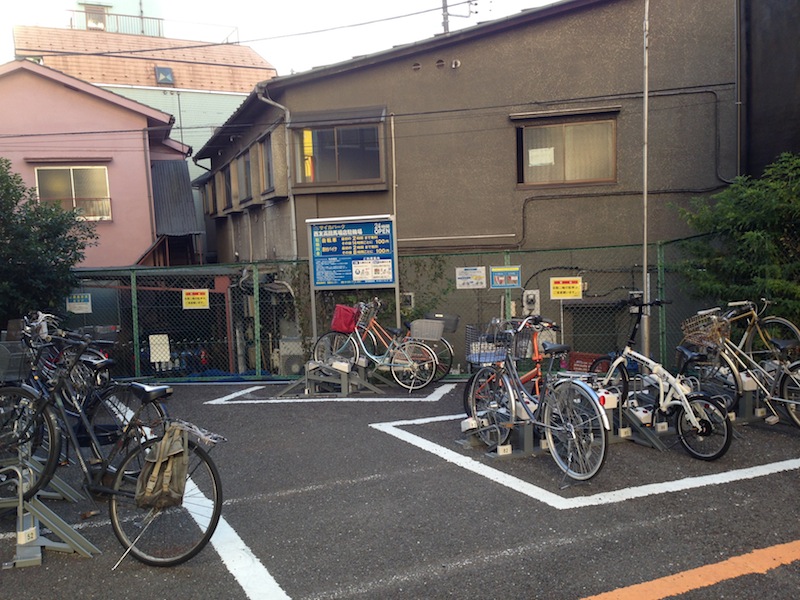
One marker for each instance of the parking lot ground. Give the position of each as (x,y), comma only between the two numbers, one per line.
(378,496)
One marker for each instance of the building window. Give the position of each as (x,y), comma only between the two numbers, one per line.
(245,186)
(267,165)
(340,146)
(84,189)
(95,17)
(567,152)
(164,76)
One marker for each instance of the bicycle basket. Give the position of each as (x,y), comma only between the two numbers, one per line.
(427,329)
(344,318)
(705,330)
(14,362)
(486,345)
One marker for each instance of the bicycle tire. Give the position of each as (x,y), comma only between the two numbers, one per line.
(171,536)
(774,328)
(574,429)
(717,375)
(444,357)
(714,438)
(790,391)
(335,346)
(30,439)
(488,403)
(413,365)
(615,380)
(111,409)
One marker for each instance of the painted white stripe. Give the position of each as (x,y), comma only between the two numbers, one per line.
(240,561)
(551,499)
(434,396)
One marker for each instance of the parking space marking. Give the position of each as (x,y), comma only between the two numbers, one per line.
(394,428)
(756,562)
(235,398)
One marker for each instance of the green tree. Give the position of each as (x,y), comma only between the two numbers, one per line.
(751,243)
(39,244)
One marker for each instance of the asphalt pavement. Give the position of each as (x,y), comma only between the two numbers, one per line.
(383,496)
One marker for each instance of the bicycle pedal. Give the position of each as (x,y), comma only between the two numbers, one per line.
(772,420)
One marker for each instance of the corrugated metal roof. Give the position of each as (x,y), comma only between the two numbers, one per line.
(124,59)
(172,199)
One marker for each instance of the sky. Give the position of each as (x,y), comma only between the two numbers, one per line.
(293,35)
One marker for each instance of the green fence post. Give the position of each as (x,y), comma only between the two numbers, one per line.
(257,319)
(137,366)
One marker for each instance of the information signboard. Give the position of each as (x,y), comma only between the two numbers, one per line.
(352,253)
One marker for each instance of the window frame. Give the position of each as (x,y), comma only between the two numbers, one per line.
(563,121)
(304,126)
(75,200)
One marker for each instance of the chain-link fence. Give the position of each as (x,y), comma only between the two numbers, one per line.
(254,320)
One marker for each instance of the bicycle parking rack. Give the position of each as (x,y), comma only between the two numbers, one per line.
(30,513)
(320,378)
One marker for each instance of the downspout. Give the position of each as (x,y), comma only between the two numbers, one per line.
(148,171)
(261,92)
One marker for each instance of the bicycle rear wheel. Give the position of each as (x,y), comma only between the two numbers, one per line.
(574,429)
(774,328)
(714,437)
(413,365)
(790,391)
(30,439)
(170,536)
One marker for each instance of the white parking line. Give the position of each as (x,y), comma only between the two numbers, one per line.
(556,501)
(235,398)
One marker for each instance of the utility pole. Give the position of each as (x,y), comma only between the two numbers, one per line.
(446,14)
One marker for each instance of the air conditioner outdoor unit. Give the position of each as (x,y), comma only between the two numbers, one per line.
(292,361)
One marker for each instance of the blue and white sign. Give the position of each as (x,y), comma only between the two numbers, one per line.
(357,253)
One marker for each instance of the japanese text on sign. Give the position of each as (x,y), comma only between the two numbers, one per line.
(566,288)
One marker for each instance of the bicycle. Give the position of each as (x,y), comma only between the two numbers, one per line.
(158,537)
(411,363)
(758,363)
(567,412)
(702,422)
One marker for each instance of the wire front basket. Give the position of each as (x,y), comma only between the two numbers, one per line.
(369,310)
(14,362)
(706,330)
(493,343)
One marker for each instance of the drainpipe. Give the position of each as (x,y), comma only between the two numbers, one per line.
(262,93)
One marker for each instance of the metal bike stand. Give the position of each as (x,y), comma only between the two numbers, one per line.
(29,541)
(347,381)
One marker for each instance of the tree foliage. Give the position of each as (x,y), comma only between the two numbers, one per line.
(751,246)
(39,244)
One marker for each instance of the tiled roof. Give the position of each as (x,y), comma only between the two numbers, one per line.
(125,59)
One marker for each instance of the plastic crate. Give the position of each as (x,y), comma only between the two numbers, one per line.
(427,329)
(581,361)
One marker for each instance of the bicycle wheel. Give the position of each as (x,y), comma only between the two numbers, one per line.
(714,437)
(30,439)
(716,375)
(574,429)
(487,401)
(444,356)
(614,380)
(773,328)
(111,410)
(335,346)
(413,365)
(790,391)
(170,536)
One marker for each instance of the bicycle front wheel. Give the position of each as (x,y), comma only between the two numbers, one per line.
(487,401)
(169,536)
(574,429)
(614,380)
(335,346)
(790,392)
(413,365)
(30,439)
(713,438)
(716,375)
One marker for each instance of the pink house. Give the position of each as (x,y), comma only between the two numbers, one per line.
(106,155)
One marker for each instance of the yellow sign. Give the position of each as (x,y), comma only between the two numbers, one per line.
(195,299)
(566,288)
